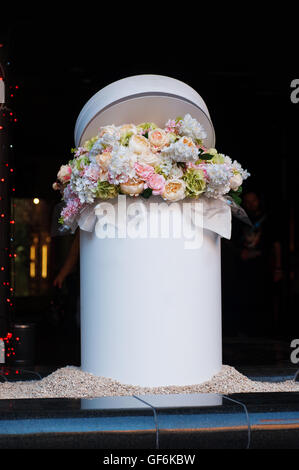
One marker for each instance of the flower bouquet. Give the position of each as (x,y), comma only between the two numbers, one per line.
(145,160)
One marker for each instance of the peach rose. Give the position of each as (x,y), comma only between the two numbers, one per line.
(132,187)
(158,139)
(139,144)
(103,160)
(174,190)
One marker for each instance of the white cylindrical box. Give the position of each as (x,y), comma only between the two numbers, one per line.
(150,307)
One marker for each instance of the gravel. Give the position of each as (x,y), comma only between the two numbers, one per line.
(72,382)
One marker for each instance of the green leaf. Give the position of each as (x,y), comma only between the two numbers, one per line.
(147,193)
(235,195)
(205,156)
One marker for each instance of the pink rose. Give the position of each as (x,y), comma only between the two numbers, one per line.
(143,171)
(64,174)
(156,183)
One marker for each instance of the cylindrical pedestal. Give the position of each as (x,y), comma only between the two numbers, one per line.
(151,309)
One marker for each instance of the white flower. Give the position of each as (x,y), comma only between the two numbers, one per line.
(121,165)
(97,148)
(110,133)
(235,181)
(165,164)
(175,172)
(139,144)
(219,176)
(184,150)
(174,190)
(148,158)
(190,127)
(128,129)
(236,167)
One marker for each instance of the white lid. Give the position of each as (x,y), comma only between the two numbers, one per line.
(142,98)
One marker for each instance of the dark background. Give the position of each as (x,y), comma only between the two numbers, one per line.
(244,77)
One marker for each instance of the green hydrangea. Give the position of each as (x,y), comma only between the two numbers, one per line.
(80,162)
(124,140)
(210,156)
(88,144)
(160,171)
(146,126)
(106,190)
(195,182)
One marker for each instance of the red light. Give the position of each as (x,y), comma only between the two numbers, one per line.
(13,189)
(17,371)
(11,95)
(2,215)
(9,335)
(11,170)
(2,268)
(17,338)
(2,180)
(17,86)
(12,221)
(1,127)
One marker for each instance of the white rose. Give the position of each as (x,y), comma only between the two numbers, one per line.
(109,130)
(148,158)
(139,144)
(128,128)
(235,181)
(174,190)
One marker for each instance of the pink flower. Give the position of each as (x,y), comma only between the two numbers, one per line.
(64,174)
(156,183)
(71,209)
(92,173)
(144,171)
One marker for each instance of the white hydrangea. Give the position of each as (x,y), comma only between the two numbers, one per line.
(97,148)
(84,188)
(218,179)
(190,127)
(121,166)
(184,150)
(165,164)
(236,167)
(176,172)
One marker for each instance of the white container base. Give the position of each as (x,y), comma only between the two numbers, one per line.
(150,309)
